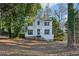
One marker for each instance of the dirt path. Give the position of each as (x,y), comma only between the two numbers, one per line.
(33,47)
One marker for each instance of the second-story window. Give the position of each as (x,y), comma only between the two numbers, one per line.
(46,23)
(38,22)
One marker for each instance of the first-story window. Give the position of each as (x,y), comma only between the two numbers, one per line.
(30,32)
(46,31)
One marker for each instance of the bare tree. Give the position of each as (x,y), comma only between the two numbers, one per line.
(61,12)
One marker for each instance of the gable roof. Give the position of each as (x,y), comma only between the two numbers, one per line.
(45,14)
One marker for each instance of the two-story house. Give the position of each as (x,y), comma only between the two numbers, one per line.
(42,26)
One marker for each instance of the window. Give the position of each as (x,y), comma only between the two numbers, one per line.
(38,31)
(46,23)
(47,31)
(30,32)
(38,22)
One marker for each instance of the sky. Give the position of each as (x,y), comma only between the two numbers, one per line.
(55,6)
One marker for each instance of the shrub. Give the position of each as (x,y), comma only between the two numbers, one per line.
(59,36)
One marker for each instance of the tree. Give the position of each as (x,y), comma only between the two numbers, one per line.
(71,23)
(6,12)
(21,12)
(60,13)
(58,33)
(17,15)
(0,20)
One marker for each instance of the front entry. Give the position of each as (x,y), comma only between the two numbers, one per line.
(38,33)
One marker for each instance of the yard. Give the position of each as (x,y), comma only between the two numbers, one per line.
(27,47)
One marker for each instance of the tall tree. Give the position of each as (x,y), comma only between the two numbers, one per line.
(6,10)
(17,15)
(21,12)
(71,21)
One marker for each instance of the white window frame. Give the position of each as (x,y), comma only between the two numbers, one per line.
(47,33)
(38,31)
(38,22)
(30,33)
(46,23)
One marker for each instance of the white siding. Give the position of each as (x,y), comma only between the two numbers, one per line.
(50,36)
(42,27)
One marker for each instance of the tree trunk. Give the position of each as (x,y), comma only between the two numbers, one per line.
(10,27)
(9,31)
(70,43)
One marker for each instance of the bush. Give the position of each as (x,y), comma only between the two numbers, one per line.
(58,33)
(59,37)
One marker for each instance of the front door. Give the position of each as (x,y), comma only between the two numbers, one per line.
(38,33)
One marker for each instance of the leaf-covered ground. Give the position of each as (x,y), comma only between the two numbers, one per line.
(26,47)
